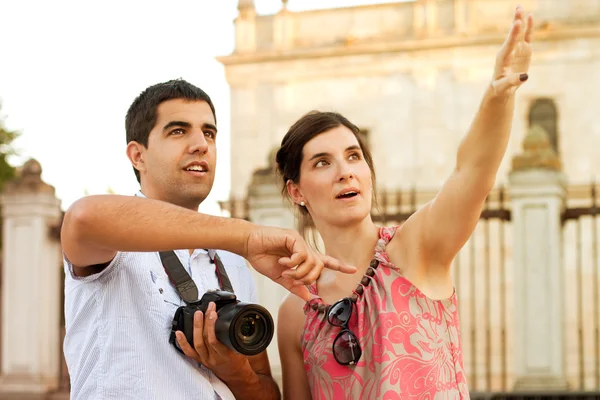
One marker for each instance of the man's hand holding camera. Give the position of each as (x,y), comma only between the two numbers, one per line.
(227,364)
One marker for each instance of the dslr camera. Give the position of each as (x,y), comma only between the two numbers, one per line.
(244,327)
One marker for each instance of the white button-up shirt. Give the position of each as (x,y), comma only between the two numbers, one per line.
(118,324)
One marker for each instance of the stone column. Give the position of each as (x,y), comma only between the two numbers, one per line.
(31,350)
(283,29)
(460,14)
(431,17)
(419,18)
(268,207)
(537,190)
(425,18)
(245,27)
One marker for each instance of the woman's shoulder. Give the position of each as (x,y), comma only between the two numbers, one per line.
(292,306)
(291,317)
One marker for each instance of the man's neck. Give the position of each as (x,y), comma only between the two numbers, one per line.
(150,195)
(140,193)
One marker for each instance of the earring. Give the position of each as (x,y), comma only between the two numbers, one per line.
(302,204)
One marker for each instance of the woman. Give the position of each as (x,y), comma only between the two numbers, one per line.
(391,330)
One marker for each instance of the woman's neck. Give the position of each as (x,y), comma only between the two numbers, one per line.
(352,244)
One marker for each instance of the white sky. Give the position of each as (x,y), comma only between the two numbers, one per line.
(70,69)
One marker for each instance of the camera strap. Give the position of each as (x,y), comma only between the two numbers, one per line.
(184,284)
(222,276)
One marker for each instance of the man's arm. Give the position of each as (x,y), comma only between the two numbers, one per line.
(254,381)
(96,227)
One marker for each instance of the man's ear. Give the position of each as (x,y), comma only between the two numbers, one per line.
(135,153)
(294,192)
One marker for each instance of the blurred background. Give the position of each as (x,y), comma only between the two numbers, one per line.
(410,74)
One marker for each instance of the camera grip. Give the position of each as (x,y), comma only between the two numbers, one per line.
(188,324)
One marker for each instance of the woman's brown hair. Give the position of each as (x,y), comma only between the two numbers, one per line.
(289,155)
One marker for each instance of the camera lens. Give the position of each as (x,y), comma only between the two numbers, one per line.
(246,328)
(250,328)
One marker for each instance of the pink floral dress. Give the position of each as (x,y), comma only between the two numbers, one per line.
(410,343)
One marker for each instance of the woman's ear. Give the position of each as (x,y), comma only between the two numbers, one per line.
(295,193)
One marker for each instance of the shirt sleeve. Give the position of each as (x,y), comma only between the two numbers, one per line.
(70,274)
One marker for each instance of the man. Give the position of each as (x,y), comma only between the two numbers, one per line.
(119,302)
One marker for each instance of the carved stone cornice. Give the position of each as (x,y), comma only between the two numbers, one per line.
(407,45)
(28,180)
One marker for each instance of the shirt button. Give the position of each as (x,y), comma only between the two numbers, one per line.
(160,290)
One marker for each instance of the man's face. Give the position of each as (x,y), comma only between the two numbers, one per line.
(179,163)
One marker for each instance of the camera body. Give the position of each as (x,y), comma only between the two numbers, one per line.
(244,327)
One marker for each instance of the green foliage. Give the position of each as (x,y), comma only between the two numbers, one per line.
(7,171)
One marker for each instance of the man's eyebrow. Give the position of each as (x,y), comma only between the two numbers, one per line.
(187,125)
(209,126)
(353,147)
(182,124)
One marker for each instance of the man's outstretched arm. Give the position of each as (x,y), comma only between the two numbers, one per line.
(95,228)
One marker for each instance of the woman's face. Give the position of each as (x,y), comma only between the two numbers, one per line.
(335,180)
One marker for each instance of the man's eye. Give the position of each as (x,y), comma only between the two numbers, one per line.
(210,134)
(177,132)
(321,163)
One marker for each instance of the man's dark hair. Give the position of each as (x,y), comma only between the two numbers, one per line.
(141,116)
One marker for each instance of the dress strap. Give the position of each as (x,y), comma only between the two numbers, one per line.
(386,233)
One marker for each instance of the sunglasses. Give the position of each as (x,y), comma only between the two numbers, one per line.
(346,348)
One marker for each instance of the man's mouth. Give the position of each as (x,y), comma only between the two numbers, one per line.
(197,168)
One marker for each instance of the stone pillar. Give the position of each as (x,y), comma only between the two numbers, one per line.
(31,313)
(460,14)
(268,207)
(419,18)
(283,29)
(431,17)
(537,191)
(425,18)
(245,27)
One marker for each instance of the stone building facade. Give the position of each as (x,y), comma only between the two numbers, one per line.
(411,75)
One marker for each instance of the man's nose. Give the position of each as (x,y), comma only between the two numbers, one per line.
(198,143)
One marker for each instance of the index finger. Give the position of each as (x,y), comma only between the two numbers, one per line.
(337,265)
(529,30)
(300,291)
(511,40)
